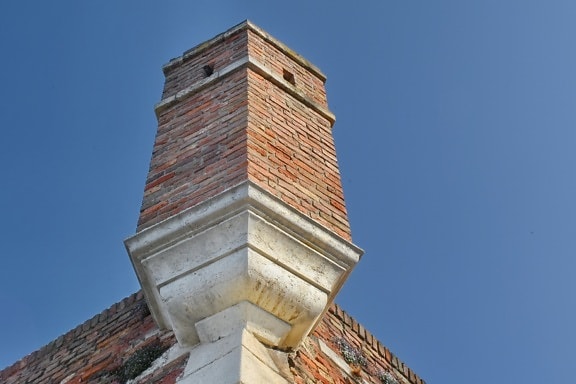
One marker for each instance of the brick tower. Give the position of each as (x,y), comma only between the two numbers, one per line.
(243,239)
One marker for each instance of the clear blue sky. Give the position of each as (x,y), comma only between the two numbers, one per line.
(456,135)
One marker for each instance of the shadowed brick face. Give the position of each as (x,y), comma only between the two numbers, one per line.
(258,122)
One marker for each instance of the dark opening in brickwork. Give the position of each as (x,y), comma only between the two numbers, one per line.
(289,77)
(208,70)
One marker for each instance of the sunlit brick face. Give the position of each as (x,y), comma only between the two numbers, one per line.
(200,150)
(257,122)
(291,154)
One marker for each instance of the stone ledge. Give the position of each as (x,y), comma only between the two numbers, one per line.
(242,245)
(229,203)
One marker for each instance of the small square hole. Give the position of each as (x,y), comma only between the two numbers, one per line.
(208,70)
(289,77)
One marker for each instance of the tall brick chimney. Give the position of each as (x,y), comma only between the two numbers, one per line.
(243,238)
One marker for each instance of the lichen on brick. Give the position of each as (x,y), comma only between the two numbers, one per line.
(387,377)
(350,354)
(141,360)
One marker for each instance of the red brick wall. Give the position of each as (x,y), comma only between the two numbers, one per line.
(199,151)
(292,155)
(91,352)
(311,365)
(241,127)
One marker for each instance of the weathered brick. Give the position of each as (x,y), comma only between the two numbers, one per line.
(244,126)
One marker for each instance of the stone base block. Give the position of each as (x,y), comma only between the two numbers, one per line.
(238,358)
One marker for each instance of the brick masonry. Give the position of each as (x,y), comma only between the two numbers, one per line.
(266,123)
(91,352)
(312,366)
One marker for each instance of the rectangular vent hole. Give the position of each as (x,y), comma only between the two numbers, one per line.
(289,77)
(208,70)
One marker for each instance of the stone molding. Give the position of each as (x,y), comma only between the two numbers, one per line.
(243,245)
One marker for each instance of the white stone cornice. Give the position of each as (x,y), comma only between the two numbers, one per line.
(243,245)
(228,204)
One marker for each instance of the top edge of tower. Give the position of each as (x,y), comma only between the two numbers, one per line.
(243,26)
